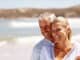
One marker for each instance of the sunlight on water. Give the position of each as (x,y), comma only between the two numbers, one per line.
(29,27)
(15,24)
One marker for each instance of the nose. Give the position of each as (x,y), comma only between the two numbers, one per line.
(55,32)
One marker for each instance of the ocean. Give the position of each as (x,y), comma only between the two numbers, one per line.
(28,27)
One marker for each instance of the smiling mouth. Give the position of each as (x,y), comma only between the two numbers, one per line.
(56,39)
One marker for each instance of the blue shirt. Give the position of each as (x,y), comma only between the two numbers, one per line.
(44,51)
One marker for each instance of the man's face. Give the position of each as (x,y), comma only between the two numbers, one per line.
(45,28)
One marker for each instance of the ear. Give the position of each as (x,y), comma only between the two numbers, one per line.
(69,32)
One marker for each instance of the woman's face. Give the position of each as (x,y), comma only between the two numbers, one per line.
(59,33)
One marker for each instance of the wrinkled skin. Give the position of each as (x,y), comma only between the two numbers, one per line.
(45,28)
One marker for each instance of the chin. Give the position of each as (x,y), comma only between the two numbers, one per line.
(58,46)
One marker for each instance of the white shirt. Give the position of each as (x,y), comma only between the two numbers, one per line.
(44,51)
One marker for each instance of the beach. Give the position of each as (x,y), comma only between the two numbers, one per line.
(18,37)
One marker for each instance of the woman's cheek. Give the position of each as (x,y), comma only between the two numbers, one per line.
(62,35)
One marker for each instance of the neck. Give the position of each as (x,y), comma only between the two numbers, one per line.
(68,46)
(62,51)
(64,47)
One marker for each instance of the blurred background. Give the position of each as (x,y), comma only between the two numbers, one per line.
(19,29)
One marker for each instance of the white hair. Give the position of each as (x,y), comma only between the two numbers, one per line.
(47,16)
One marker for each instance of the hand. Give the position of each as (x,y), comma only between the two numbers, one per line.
(78,58)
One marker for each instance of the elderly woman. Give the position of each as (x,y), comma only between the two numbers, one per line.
(63,49)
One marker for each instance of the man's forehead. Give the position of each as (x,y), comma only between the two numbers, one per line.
(45,22)
(47,17)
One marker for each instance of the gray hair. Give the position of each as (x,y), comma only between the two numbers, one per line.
(47,16)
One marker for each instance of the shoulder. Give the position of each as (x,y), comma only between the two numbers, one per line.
(77,45)
(42,44)
(36,50)
(77,48)
(39,45)
(78,51)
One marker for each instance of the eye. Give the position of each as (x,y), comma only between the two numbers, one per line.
(57,30)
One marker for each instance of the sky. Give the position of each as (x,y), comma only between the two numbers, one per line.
(38,3)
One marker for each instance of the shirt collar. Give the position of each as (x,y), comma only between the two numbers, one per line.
(49,42)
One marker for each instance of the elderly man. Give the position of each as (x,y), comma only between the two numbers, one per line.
(44,23)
